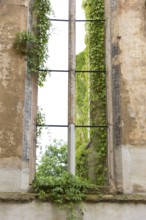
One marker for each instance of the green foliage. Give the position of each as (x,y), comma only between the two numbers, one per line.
(54,183)
(62,189)
(26,45)
(54,161)
(82,116)
(42,9)
(53,180)
(24,42)
(91,97)
(41,118)
(35,46)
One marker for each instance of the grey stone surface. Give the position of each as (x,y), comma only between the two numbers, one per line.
(112,211)
(17,102)
(126,90)
(92,211)
(14,180)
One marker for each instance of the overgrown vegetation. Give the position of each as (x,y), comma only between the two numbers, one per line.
(91,97)
(34,45)
(41,118)
(82,116)
(54,183)
(65,190)
(54,160)
(52,179)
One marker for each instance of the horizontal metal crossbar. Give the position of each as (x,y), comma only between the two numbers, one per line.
(46,70)
(91,71)
(89,20)
(77,126)
(77,71)
(59,126)
(91,126)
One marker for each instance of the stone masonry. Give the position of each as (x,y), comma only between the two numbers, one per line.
(126,67)
(17,101)
(126,86)
(126,104)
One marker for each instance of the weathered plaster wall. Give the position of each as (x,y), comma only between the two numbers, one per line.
(128,89)
(113,211)
(92,211)
(16,94)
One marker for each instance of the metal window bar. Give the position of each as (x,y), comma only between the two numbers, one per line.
(66,20)
(77,71)
(77,126)
(72,22)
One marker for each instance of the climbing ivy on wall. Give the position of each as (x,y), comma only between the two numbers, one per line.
(34,45)
(42,9)
(52,180)
(93,151)
(82,115)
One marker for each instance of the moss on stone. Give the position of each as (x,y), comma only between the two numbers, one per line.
(90,198)
(16,197)
(117,198)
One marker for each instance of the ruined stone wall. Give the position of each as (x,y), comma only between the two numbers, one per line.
(127,94)
(126,55)
(17,101)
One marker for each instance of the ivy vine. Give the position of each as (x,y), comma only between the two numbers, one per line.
(54,183)
(66,189)
(34,45)
(91,97)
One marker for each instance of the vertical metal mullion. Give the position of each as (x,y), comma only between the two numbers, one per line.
(71,85)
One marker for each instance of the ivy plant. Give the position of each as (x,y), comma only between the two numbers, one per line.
(34,45)
(54,183)
(91,97)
